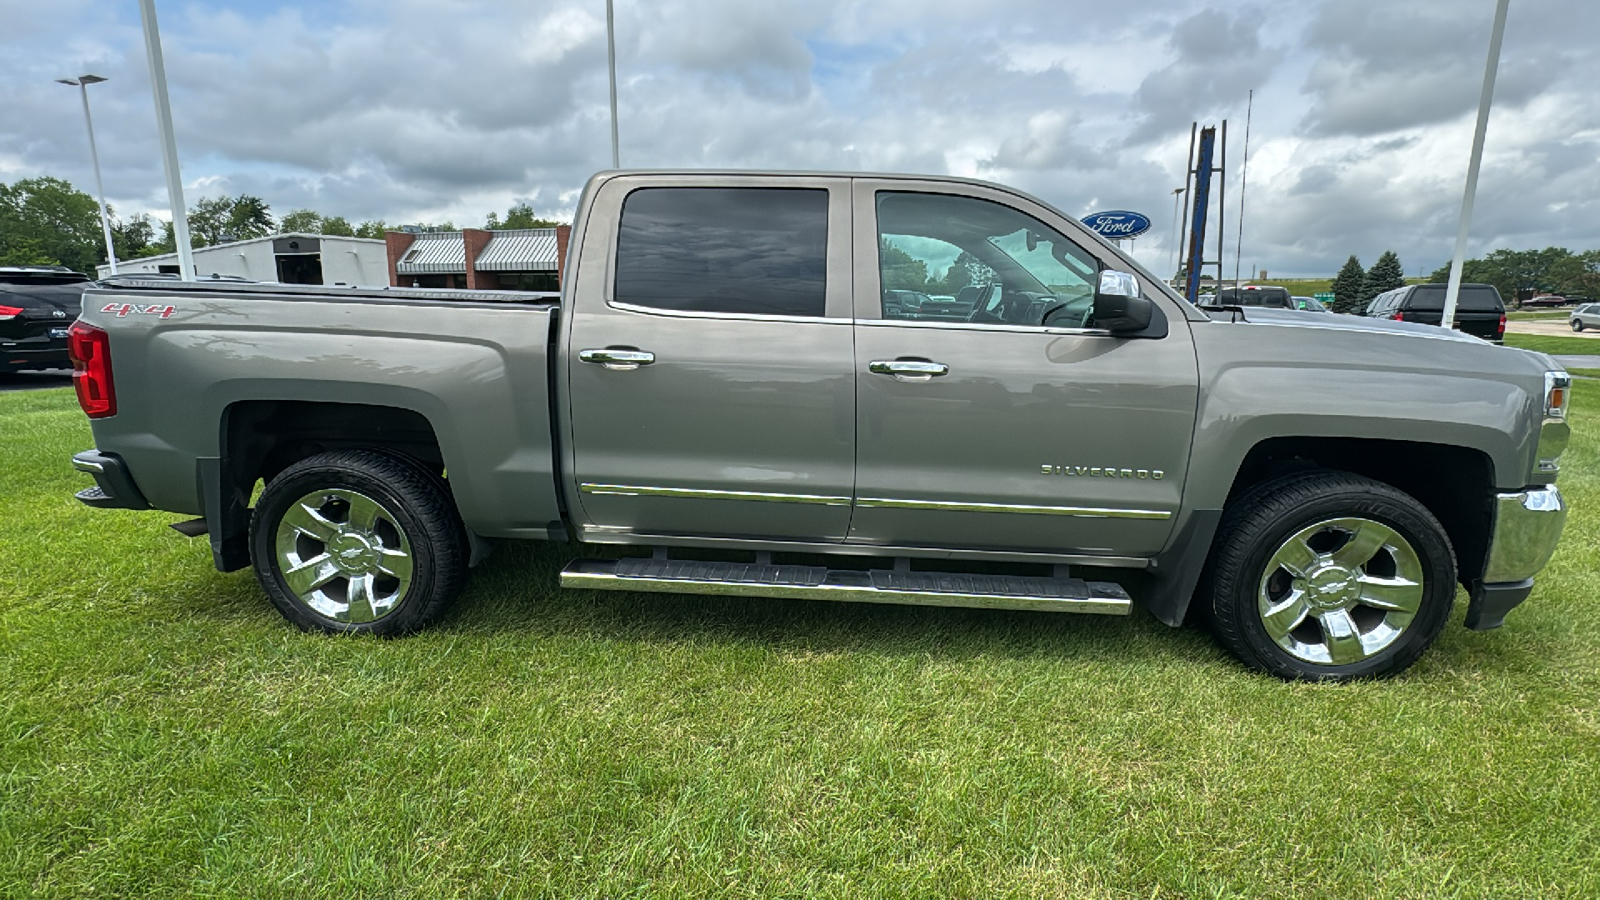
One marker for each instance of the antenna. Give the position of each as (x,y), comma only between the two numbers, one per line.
(1244,174)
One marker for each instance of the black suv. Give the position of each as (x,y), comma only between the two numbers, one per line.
(37,305)
(1479,310)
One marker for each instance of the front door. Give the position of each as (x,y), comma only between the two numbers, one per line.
(991,413)
(709,361)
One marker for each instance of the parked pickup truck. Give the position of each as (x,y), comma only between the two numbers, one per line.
(718,390)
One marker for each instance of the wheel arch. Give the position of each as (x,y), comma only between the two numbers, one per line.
(1456,484)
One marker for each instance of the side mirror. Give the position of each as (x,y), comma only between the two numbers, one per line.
(1119,306)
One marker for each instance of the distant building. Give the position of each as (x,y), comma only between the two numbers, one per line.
(527,259)
(287,258)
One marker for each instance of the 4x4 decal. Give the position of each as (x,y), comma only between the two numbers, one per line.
(124,309)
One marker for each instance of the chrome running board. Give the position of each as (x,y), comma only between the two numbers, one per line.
(676,576)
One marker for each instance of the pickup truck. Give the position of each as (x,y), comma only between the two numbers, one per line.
(718,394)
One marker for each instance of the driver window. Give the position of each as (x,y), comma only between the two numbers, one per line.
(959,259)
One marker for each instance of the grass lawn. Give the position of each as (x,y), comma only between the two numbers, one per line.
(164,733)
(1554,343)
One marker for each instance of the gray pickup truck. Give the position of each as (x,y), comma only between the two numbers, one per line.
(847,387)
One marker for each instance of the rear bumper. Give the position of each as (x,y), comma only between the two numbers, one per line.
(21,355)
(114,487)
(1527,526)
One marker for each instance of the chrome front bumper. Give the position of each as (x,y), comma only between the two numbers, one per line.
(1527,525)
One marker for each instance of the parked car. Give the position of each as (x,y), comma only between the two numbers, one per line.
(1253,295)
(37,303)
(720,390)
(1586,316)
(1546,300)
(1479,310)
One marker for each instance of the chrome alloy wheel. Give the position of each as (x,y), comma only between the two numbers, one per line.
(1340,591)
(343,555)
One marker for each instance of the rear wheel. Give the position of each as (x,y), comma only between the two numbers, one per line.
(1329,577)
(358,541)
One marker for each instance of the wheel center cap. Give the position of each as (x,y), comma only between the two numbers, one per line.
(1331,587)
(352,552)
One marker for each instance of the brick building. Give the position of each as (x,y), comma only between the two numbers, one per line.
(526,259)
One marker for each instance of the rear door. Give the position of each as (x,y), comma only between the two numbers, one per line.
(709,359)
(1010,423)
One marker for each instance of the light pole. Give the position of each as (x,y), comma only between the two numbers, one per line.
(1485,98)
(169,144)
(82,83)
(611,62)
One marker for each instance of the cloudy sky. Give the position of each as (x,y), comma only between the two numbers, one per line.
(425,110)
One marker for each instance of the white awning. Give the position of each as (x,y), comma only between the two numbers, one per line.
(520,250)
(440,251)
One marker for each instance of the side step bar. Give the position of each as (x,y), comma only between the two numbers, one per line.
(675,576)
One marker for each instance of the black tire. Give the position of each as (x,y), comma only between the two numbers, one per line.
(387,568)
(1577,325)
(1287,620)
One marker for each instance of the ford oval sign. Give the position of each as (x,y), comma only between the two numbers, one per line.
(1117,224)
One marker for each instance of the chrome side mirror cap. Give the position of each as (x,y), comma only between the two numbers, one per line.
(1119,306)
(1118,284)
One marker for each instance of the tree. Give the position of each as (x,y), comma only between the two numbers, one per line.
(1519,274)
(520,215)
(132,238)
(901,271)
(215,220)
(1348,286)
(967,269)
(372,228)
(1385,275)
(338,226)
(300,221)
(46,221)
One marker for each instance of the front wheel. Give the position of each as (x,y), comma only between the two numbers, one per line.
(1329,577)
(358,541)
(1577,325)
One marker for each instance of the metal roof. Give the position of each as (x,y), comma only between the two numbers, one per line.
(436,251)
(519,250)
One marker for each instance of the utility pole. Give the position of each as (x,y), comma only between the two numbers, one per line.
(169,144)
(82,83)
(1453,290)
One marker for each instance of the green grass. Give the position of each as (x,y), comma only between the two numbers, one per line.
(1554,343)
(164,733)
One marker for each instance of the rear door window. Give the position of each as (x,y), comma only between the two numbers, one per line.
(1473,298)
(758,251)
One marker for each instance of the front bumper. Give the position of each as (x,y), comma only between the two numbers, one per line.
(1527,525)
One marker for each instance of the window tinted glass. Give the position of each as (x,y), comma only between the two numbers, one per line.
(1475,297)
(960,259)
(1264,296)
(729,250)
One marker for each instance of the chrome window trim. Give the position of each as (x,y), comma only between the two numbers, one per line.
(1092,512)
(981,326)
(701,314)
(636,490)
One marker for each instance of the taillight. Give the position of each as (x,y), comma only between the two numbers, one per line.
(1502,330)
(9,312)
(1399,317)
(90,350)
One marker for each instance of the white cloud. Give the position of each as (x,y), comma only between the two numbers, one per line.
(410,109)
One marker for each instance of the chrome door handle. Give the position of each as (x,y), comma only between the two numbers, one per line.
(618,360)
(908,369)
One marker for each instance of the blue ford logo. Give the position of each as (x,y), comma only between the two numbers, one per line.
(1118,224)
